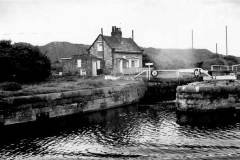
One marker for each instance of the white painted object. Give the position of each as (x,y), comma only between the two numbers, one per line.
(149,69)
(148,64)
(137,63)
(83,72)
(79,63)
(109,77)
(226,77)
(121,66)
(99,46)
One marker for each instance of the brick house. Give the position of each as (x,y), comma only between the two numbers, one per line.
(118,55)
(107,55)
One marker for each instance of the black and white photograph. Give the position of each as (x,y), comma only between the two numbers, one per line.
(119,79)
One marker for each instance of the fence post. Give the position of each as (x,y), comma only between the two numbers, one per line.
(148,73)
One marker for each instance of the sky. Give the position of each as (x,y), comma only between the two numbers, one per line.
(156,23)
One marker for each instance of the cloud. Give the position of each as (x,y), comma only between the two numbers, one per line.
(237,2)
(224,2)
(157,23)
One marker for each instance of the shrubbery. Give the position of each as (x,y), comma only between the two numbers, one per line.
(22,62)
(218,60)
(10,86)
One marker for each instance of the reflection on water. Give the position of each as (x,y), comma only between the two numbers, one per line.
(135,132)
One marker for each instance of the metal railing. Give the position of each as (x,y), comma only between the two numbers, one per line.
(171,73)
(141,73)
(234,68)
(132,71)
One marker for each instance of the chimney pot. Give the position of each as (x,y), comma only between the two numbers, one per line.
(132,34)
(116,32)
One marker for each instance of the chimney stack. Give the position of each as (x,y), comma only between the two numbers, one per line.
(116,32)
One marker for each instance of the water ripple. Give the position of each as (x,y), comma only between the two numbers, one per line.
(126,133)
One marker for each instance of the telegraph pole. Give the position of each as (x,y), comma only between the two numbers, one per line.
(192,39)
(226,30)
(216,48)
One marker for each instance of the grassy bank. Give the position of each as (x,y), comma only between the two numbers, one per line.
(60,85)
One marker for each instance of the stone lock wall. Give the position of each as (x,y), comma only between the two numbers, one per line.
(37,107)
(208,97)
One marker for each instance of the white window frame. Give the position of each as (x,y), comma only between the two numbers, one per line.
(99,46)
(137,63)
(127,64)
(79,63)
(134,63)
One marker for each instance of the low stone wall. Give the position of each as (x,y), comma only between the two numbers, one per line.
(43,106)
(205,96)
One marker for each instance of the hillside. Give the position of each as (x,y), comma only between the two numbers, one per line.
(186,58)
(177,58)
(57,50)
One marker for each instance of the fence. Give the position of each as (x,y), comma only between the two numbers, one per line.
(234,68)
(133,71)
(172,74)
(221,68)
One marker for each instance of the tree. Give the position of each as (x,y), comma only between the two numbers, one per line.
(23,62)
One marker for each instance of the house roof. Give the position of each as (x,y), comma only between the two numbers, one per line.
(122,44)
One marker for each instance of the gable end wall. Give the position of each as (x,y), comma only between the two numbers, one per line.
(107,54)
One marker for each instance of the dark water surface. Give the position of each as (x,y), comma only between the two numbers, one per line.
(132,132)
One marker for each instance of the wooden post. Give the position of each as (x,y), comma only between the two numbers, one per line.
(216,49)
(149,69)
(226,29)
(192,39)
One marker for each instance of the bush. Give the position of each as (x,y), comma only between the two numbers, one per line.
(23,62)
(11,86)
(231,60)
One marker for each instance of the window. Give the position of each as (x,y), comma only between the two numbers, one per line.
(126,64)
(137,63)
(134,63)
(99,46)
(79,63)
